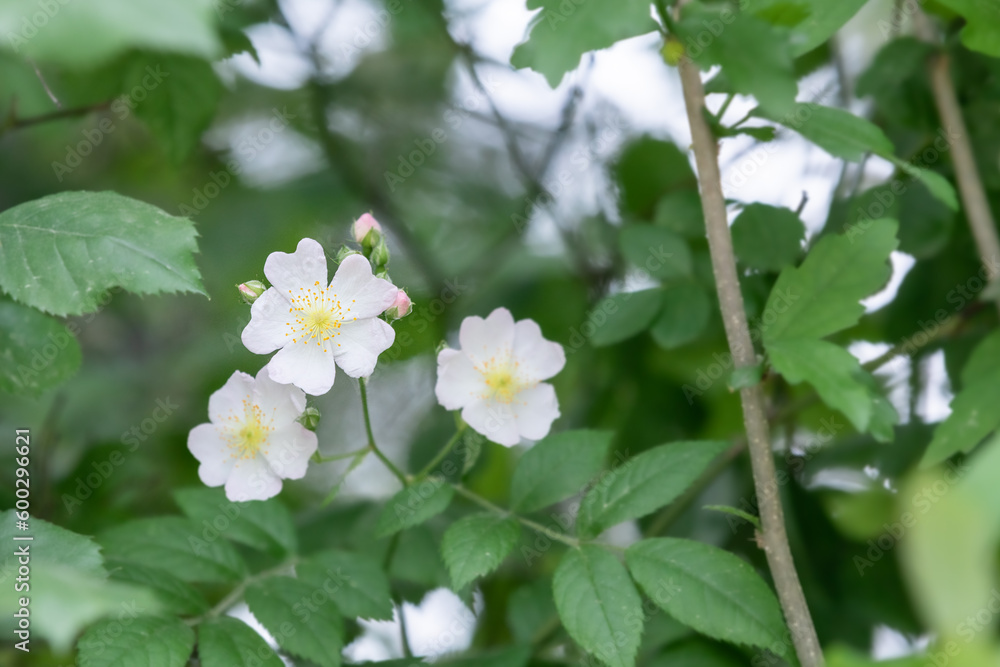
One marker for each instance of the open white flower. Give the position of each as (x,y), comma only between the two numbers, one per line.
(496,377)
(252,440)
(316,327)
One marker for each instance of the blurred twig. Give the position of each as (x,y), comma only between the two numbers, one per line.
(13,122)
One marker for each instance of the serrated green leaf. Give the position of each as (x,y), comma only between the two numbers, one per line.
(755,55)
(768,238)
(177,545)
(182,96)
(649,170)
(598,605)
(73,246)
(83,34)
(982,24)
(176,596)
(822,21)
(226,640)
(645,483)
(657,251)
(356,583)
(150,641)
(840,133)
(37,352)
(621,316)
(558,467)
(476,545)
(561,33)
(262,524)
(288,608)
(683,316)
(414,505)
(711,590)
(823,294)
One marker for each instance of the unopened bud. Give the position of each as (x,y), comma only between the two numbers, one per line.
(251,290)
(401,307)
(309,418)
(383,275)
(344,253)
(366,230)
(673,51)
(380,254)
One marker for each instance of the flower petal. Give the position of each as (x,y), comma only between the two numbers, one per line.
(308,366)
(205,443)
(482,339)
(268,327)
(283,403)
(303,268)
(539,358)
(252,479)
(288,451)
(458,381)
(227,402)
(357,289)
(359,344)
(535,409)
(493,419)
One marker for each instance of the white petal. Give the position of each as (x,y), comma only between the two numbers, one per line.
(268,327)
(535,409)
(205,443)
(540,359)
(358,344)
(303,268)
(252,479)
(306,365)
(283,403)
(356,288)
(482,339)
(458,381)
(227,402)
(288,451)
(493,419)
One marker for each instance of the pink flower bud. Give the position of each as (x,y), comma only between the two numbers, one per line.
(251,290)
(401,307)
(363,225)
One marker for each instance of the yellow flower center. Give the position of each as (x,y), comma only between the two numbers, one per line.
(317,315)
(503,378)
(248,434)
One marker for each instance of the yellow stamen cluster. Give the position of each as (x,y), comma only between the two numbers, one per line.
(247,434)
(503,377)
(316,316)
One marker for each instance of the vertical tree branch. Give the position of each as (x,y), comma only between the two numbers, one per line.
(774,538)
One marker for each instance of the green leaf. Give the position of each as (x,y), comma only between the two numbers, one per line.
(476,545)
(558,467)
(982,24)
(823,20)
(681,212)
(176,596)
(685,313)
(822,295)
(935,183)
(623,315)
(515,656)
(746,376)
(834,372)
(645,483)
(355,582)
(226,640)
(710,590)
(414,505)
(755,55)
(973,410)
(840,133)
(726,509)
(768,238)
(562,32)
(841,656)
(73,246)
(177,545)
(895,62)
(598,605)
(530,610)
(288,608)
(37,352)
(128,641)
(262,524)
(659,252)
(182,95)
(650,169)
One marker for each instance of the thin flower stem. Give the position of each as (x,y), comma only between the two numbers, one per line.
(319,458)
(774,539)
(403,634)
(371,438)
(496,509)
(427,469)
(236,594)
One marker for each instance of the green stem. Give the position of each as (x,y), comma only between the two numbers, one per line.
(404,635)
(236,594)
(725,106)
(535,526)
(319,458)
(371,438)
(427,469)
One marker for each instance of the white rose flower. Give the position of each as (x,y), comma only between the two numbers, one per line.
(496,378)
(252,440)
(316,327)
